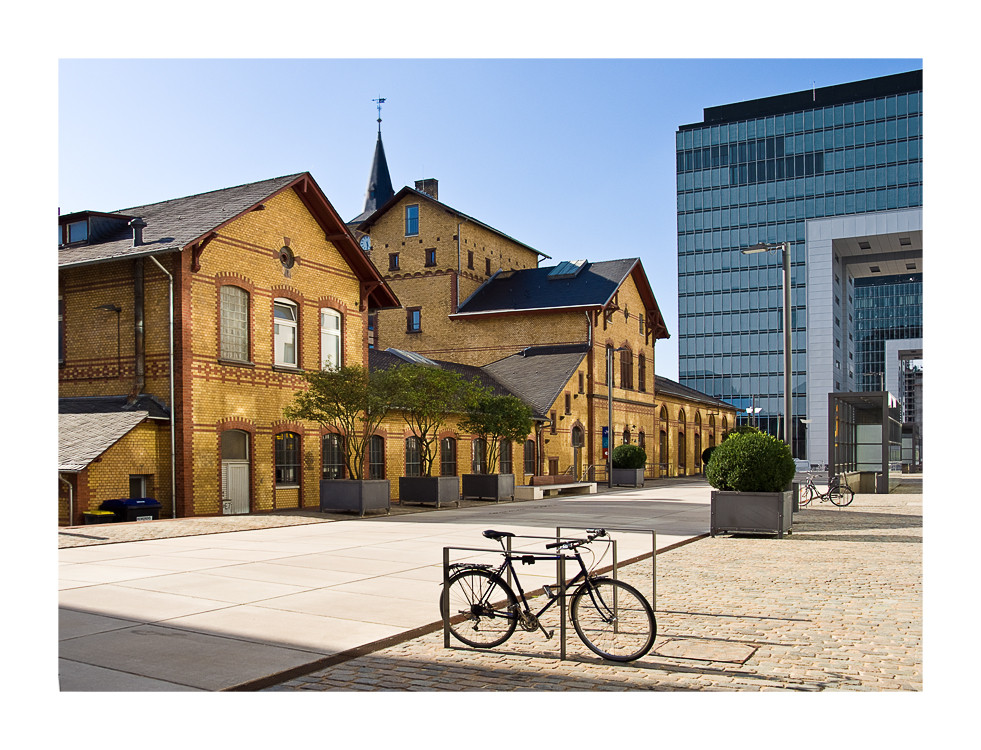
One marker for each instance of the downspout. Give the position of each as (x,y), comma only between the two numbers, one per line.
(71,500)
(173,410)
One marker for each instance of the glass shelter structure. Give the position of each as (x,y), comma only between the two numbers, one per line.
(797,168)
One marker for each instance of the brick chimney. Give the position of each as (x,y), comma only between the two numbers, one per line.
(430,187)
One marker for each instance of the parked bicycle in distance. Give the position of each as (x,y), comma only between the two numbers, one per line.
(837,492)
(611,617)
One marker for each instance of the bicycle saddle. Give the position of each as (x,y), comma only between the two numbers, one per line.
(497,535)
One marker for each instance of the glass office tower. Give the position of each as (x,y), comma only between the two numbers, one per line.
(758,171)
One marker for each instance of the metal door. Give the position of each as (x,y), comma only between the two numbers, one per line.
(235,486)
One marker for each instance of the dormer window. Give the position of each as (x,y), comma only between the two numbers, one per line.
(76,231)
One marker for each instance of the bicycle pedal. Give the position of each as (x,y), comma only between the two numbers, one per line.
(548,634)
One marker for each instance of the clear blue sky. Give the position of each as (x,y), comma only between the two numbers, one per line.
(573,157)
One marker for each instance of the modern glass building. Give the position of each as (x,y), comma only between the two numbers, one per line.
(837,173)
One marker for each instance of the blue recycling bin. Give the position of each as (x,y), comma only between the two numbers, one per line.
(133,508)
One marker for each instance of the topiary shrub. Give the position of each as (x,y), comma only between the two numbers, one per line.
(743,429)
(707,454)
(629,456)
(751,462)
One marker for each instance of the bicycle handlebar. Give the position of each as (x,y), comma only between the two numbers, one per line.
(571,543)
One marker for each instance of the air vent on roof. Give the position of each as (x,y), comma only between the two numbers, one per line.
(904,241)
(874,269)
(865,245)
(566,270)
(412,357)
(910,266)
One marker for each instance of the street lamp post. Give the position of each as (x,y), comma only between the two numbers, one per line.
(784,247)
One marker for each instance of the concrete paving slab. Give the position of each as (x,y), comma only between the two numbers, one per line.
(182,657)
(143,606)
(217,588)
(317,635)
(75,624)
(79,677)
(100,573)
(387,610)
(283,572)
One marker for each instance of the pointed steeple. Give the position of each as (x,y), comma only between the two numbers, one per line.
(379,180)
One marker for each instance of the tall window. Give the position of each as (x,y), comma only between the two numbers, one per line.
(411,220)
(641,372)
(626,369)
(478,461)
(529,456)
(61,329)
(413,320)
(431,257)
(330,338)
(506,461)
(287,459)
(447,456)
(376,457)
(234,324)
(285,333)
(413,457)
(333,456)
(626,436)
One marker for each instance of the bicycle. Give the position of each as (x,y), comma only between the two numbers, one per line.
(837,492)
(611,618)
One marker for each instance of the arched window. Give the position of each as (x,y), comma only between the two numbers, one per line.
(506,457)
(478,458)
(234,334)
(577,437)
(333,456)
(413,457)
(698,451)
(664,416)
(682,451)
(330,339)
(663,453)
(725,425)
(642,441)
(376,457)
(626,436)
(285,338)
(447,454)
(641,373)
(530,457)
(287,459)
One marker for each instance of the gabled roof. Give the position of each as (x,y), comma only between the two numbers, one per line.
(553,288)
(539,374)
(388,358)
(88,427)
(367,221)
(669,387)
(174,225)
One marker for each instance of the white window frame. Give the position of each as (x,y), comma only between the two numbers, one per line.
(282,326)
(331,339)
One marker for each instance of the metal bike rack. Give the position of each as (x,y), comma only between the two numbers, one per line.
(559,572)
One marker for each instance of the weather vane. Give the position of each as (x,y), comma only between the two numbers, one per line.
(379,102)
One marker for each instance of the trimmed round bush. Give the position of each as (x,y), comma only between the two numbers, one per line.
(629,457)
(707,454)
(751,462)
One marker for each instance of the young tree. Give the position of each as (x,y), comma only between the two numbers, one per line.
(425,396)
(496,418)
(350,399)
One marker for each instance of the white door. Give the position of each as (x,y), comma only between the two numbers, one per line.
(235,486)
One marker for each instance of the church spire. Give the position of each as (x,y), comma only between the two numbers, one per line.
(379,180)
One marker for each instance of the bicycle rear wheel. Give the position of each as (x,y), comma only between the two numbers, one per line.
(805,495)
(613,619)
(843,497)
(481,607)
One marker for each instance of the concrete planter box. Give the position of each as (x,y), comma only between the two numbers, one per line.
(358,495)
(752,512)
(628,477)
(436,490)
(494,487)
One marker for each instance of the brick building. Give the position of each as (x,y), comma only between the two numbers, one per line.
(475,296)
(266,281)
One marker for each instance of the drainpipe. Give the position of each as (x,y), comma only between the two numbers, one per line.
(170,341)
(71,500)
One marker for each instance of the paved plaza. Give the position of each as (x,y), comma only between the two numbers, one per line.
(307,603)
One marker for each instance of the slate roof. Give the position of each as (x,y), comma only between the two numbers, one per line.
(88,427)
(172,224)
(664,385)
(538,374)
(383,360)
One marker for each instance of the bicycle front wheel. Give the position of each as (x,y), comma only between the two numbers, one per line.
(481,607)
(843,497)
(613,619)
(805,495)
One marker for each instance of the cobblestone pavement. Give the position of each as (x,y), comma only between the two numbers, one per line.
(834,606)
